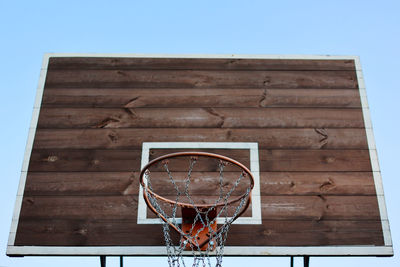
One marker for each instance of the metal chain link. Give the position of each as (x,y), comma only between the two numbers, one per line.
(175,252)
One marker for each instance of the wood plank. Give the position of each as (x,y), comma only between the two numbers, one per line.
(320,208)
(283,160)
(80,207)
(81,184)
(87,232)
(307,208)
(314,208)
(127,183)
(314,160)
(270,138)
(200,118)
(317,183)
(307,233)
(271,184)
(55,232)
(201,79)
(270,160)
(84,160)
(109,63)
(168,208)
(134,98)
(95,207)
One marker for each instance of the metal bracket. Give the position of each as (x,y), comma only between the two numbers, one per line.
(103,261)
(306,261)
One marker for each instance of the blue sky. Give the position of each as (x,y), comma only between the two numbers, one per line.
(28,29)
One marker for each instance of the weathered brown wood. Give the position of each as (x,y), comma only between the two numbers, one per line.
(104,63)
(200,117)
(127,183)
(201,79)
(206,200)
(56,232)
(85,160)
(80,207)
(270,160)
(286,160)
(269,138)
(314,208)
(87,232)
(315,160)
(306,233)
(134,98)
(317,183)
(94,207)
(81,184)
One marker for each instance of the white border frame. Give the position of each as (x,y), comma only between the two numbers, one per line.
(28,150)
(373,156)
(386,250)
(254,168)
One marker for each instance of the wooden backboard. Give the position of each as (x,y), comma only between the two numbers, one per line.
(300,123)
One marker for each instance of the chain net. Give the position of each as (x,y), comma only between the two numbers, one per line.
(216,209)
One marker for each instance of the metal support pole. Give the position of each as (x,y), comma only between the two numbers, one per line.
(306,261)
(291,261)
(103,261)
(121,261)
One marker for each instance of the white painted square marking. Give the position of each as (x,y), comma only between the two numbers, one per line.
(255,217)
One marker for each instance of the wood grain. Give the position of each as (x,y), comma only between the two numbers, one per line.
(201,79)
(269,138)
(80,207)
(193,98)
(307,208)
(316,182)
(306,233)
(87,232)
(82,184)
(56,232)
(319,208)
(129,160)
(127,183)
(314,160)
(85,160)
(60,118)
(104,63)
(284,160)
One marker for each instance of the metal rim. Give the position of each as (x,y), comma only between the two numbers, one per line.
(204,154)
(187,154)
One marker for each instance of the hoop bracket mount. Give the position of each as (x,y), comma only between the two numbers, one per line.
(198,229)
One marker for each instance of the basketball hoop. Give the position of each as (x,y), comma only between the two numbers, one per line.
(226,199)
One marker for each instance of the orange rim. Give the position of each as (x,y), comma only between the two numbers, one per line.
(187,154)
(181,204)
